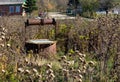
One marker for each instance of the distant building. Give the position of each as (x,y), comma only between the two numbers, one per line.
(116,10)
(11,7)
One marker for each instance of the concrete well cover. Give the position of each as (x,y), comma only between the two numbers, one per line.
(40,41)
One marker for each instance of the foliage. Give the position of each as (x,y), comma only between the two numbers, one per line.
(73,3)
(106,4)
(30,5)
(89,7)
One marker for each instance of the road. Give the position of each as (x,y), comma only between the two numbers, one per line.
(58,15)
(61,16)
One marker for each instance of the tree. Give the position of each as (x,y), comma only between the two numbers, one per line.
(89,5)
(29,6)
(106,5)
(74,3)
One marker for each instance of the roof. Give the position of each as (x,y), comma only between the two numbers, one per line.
(9,2)
(40,41)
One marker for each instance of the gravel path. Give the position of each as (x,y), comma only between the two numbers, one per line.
(58,15)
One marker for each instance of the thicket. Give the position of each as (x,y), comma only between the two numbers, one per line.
(88,51)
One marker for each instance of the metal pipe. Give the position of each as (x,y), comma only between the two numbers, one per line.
(40,22)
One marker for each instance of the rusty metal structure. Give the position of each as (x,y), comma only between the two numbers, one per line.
(41,22)
(40,45)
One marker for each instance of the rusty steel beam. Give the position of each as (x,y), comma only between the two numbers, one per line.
(40,22)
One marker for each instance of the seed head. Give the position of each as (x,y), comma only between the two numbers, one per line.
(80,54)
(20,70)
(2,33)
(39,76)
(84,67)
(65,70)
(84,61)
(3,71)
(2,45)
(3,37)
(81,60)
(52,75)
(84,71)
(91,63)
(78,71)
(3,29)
(63,58)
(76,51)
(26,60)
(79,80)
(80,76)
(84,55)
(49,65)
(49,71)
(35,70)
(8,45)
(27,71)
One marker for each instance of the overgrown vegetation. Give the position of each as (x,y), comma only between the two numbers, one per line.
(88,51)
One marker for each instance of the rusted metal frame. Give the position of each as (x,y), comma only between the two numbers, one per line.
(41,22)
